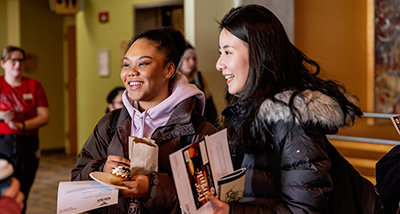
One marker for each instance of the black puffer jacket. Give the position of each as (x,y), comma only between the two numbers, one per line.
(294,176)
(183,127)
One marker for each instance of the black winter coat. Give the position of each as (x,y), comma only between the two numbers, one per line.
(293,174)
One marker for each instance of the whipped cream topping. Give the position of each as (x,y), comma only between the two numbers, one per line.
(122,171)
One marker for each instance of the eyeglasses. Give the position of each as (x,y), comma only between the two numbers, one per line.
(13,61)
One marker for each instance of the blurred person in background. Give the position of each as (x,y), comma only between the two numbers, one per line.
(114,99)
(188,67)
(23,110)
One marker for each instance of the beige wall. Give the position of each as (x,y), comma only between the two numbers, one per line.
(205,36)
(13,22)
(334,33)
(283,9)
(42,37)
(9,23)
(3,24)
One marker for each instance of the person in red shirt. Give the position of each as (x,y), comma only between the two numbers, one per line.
(23,110)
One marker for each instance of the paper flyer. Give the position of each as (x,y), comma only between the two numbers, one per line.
(199,172)
(81,196)
(197,168)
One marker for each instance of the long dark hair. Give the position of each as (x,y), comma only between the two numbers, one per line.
(275,65)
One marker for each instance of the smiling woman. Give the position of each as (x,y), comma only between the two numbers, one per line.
(277,116)
(159,104)
(233,61)
(146,74)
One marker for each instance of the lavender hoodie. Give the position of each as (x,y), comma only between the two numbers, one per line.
(144,123)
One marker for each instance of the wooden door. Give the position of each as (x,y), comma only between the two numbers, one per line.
(72,133)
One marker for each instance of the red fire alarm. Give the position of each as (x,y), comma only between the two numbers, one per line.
(103,17)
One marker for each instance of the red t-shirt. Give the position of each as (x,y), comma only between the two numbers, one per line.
(9,205)
(22,100)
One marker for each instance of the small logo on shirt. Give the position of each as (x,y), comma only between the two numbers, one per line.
(299,151)
(27,96)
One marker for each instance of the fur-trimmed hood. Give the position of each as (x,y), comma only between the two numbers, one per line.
(313,107)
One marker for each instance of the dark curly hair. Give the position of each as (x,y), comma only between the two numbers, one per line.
(170,41)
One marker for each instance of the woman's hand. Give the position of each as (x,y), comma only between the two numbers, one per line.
(220,207)
(114,161)
(14,192)
(138,186)
(12,125)
(6,115)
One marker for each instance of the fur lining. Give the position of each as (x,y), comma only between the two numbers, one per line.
(313,106)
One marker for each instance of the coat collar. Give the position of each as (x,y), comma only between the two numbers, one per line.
(313,107)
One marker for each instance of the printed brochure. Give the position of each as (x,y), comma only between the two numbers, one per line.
(206,166)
